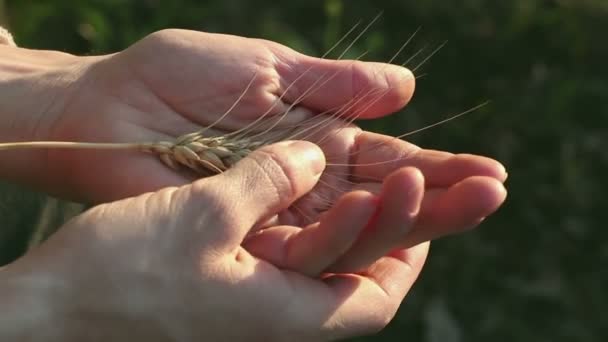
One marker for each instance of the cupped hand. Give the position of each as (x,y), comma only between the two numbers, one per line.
(175,265)
(175,82)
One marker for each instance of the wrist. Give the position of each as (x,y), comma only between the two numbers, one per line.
(49,306)
(30,307)
(46,296)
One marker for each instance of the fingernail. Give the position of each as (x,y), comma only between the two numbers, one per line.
(416,193)
(502,171)
(310,152)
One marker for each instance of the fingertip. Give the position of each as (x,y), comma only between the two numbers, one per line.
(292,167)
(489,191)
(406,187)
(360,199)
(386,87)
(395,83)
(403,81)
(444,169)
(496,169)
(476,165)
(467,203)
(309,153)
(404,177)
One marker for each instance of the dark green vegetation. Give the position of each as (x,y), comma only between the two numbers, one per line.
(538,269)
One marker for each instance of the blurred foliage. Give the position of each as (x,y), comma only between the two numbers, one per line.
(537,270)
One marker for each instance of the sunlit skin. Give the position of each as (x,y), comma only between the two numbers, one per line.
(202,239)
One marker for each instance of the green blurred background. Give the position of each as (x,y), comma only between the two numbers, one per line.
(538,269)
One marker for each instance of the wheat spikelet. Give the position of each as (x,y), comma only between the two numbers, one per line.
(205,155)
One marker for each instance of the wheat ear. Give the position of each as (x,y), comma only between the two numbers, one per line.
(207,155)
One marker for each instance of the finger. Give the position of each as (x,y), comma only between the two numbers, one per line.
(324,84)
(378,155)
(256,188)
(399,204)
(311,250)
(456,209)
(447,211)
(361,304)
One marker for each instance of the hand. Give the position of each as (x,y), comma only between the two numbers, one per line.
(171,265)
(173,82)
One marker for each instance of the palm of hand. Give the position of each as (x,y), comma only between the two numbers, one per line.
(151,91)
(175,82)
(180,250)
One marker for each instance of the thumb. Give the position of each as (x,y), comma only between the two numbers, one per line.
(258,187)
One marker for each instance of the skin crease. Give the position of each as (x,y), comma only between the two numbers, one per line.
(184,247)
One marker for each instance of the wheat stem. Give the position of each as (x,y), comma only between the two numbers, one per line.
(72,145)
